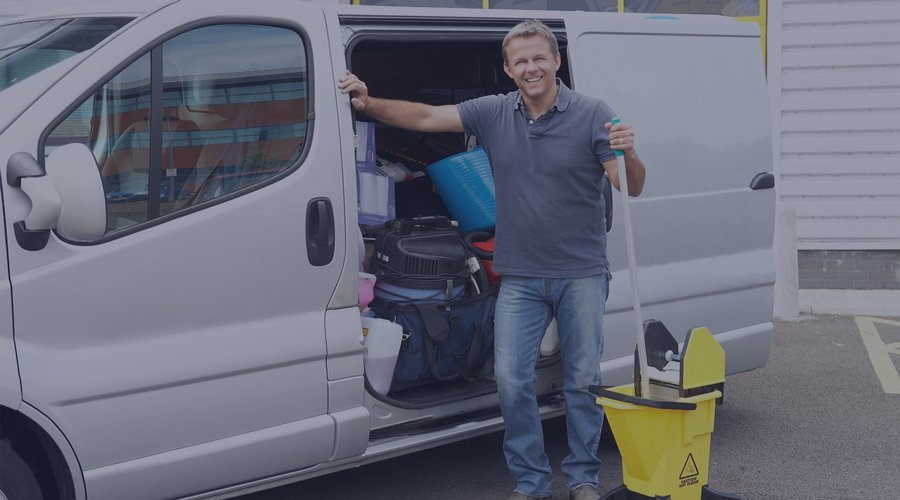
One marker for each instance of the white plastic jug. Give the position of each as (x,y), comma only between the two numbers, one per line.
(382,340)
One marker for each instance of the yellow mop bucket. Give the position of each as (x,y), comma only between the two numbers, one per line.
(665,443)
(664,447)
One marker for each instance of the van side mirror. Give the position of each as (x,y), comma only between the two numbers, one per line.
(74,172)
(68,196)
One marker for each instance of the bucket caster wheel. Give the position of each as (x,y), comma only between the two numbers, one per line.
(623,493)
(707,493)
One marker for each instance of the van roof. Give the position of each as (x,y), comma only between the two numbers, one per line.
(385,17)
(349,14)
(612,22)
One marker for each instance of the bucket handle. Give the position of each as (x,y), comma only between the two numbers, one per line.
(652,403)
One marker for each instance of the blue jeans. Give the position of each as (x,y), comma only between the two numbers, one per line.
(524,309)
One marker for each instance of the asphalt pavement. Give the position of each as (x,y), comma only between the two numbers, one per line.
(821,421)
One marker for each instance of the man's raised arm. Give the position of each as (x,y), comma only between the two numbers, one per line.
(403,114)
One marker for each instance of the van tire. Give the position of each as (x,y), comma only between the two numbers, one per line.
(17,480)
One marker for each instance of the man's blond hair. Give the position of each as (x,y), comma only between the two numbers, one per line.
(529,28)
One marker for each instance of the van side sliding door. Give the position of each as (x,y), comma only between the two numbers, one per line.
(694,89)
(184,350)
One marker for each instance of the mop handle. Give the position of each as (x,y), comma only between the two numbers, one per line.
(632,267)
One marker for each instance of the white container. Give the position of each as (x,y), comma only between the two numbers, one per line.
(382,340)
(550,342)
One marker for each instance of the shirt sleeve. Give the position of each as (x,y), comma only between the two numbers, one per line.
(600,139)
(474,114)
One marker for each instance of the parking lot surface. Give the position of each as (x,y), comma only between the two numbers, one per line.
(821,421)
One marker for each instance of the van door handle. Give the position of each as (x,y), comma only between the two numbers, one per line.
(319,231)
(763,180)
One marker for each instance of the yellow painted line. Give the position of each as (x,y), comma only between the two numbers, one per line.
(485,4)
(880,353)
(621,6)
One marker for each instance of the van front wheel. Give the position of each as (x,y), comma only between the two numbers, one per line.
(17,481)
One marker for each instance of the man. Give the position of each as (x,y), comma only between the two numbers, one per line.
(546,144)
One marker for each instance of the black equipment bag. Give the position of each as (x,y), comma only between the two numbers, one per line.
(442,340)
(420,253)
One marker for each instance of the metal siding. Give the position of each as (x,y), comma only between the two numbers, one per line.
(835,87)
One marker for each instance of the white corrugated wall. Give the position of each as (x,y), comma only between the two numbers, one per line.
(834,77)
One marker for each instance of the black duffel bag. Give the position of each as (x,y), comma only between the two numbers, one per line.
(442,340)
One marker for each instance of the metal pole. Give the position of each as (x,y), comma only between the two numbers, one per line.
(632,268)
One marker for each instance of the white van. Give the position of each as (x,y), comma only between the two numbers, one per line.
(179,289)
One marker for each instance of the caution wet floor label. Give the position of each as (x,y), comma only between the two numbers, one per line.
(689,472)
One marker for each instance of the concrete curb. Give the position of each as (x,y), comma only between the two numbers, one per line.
(870,302)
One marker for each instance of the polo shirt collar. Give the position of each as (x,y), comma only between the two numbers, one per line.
(562,98)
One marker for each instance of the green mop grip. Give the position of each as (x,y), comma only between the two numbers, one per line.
(616,121)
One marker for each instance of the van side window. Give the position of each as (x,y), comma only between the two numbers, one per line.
(233,108)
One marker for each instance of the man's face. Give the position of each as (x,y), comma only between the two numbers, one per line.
(530,62)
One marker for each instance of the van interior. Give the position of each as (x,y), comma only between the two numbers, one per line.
(433,72)
(437,71)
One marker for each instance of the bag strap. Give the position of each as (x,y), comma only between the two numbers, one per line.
(435,324)
(468,367)
(437,329)
(431,351)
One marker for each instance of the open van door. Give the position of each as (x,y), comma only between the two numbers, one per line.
(188,335)
(703,235)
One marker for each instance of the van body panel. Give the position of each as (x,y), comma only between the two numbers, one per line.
(345,349)
(205,466)
(10,390)
(10,387)
(703,238)
(175,336)
(351,431)
(346,393)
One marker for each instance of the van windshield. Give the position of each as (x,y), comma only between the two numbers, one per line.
(29,47)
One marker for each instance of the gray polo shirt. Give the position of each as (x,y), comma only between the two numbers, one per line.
(548,172)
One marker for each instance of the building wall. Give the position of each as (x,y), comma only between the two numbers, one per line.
(834,77)
(836,73)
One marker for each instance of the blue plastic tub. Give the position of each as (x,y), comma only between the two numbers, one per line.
(466,185)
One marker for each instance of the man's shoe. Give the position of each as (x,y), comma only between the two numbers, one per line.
(584,492)
(521,496)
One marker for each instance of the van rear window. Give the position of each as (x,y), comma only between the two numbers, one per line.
(29,47)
